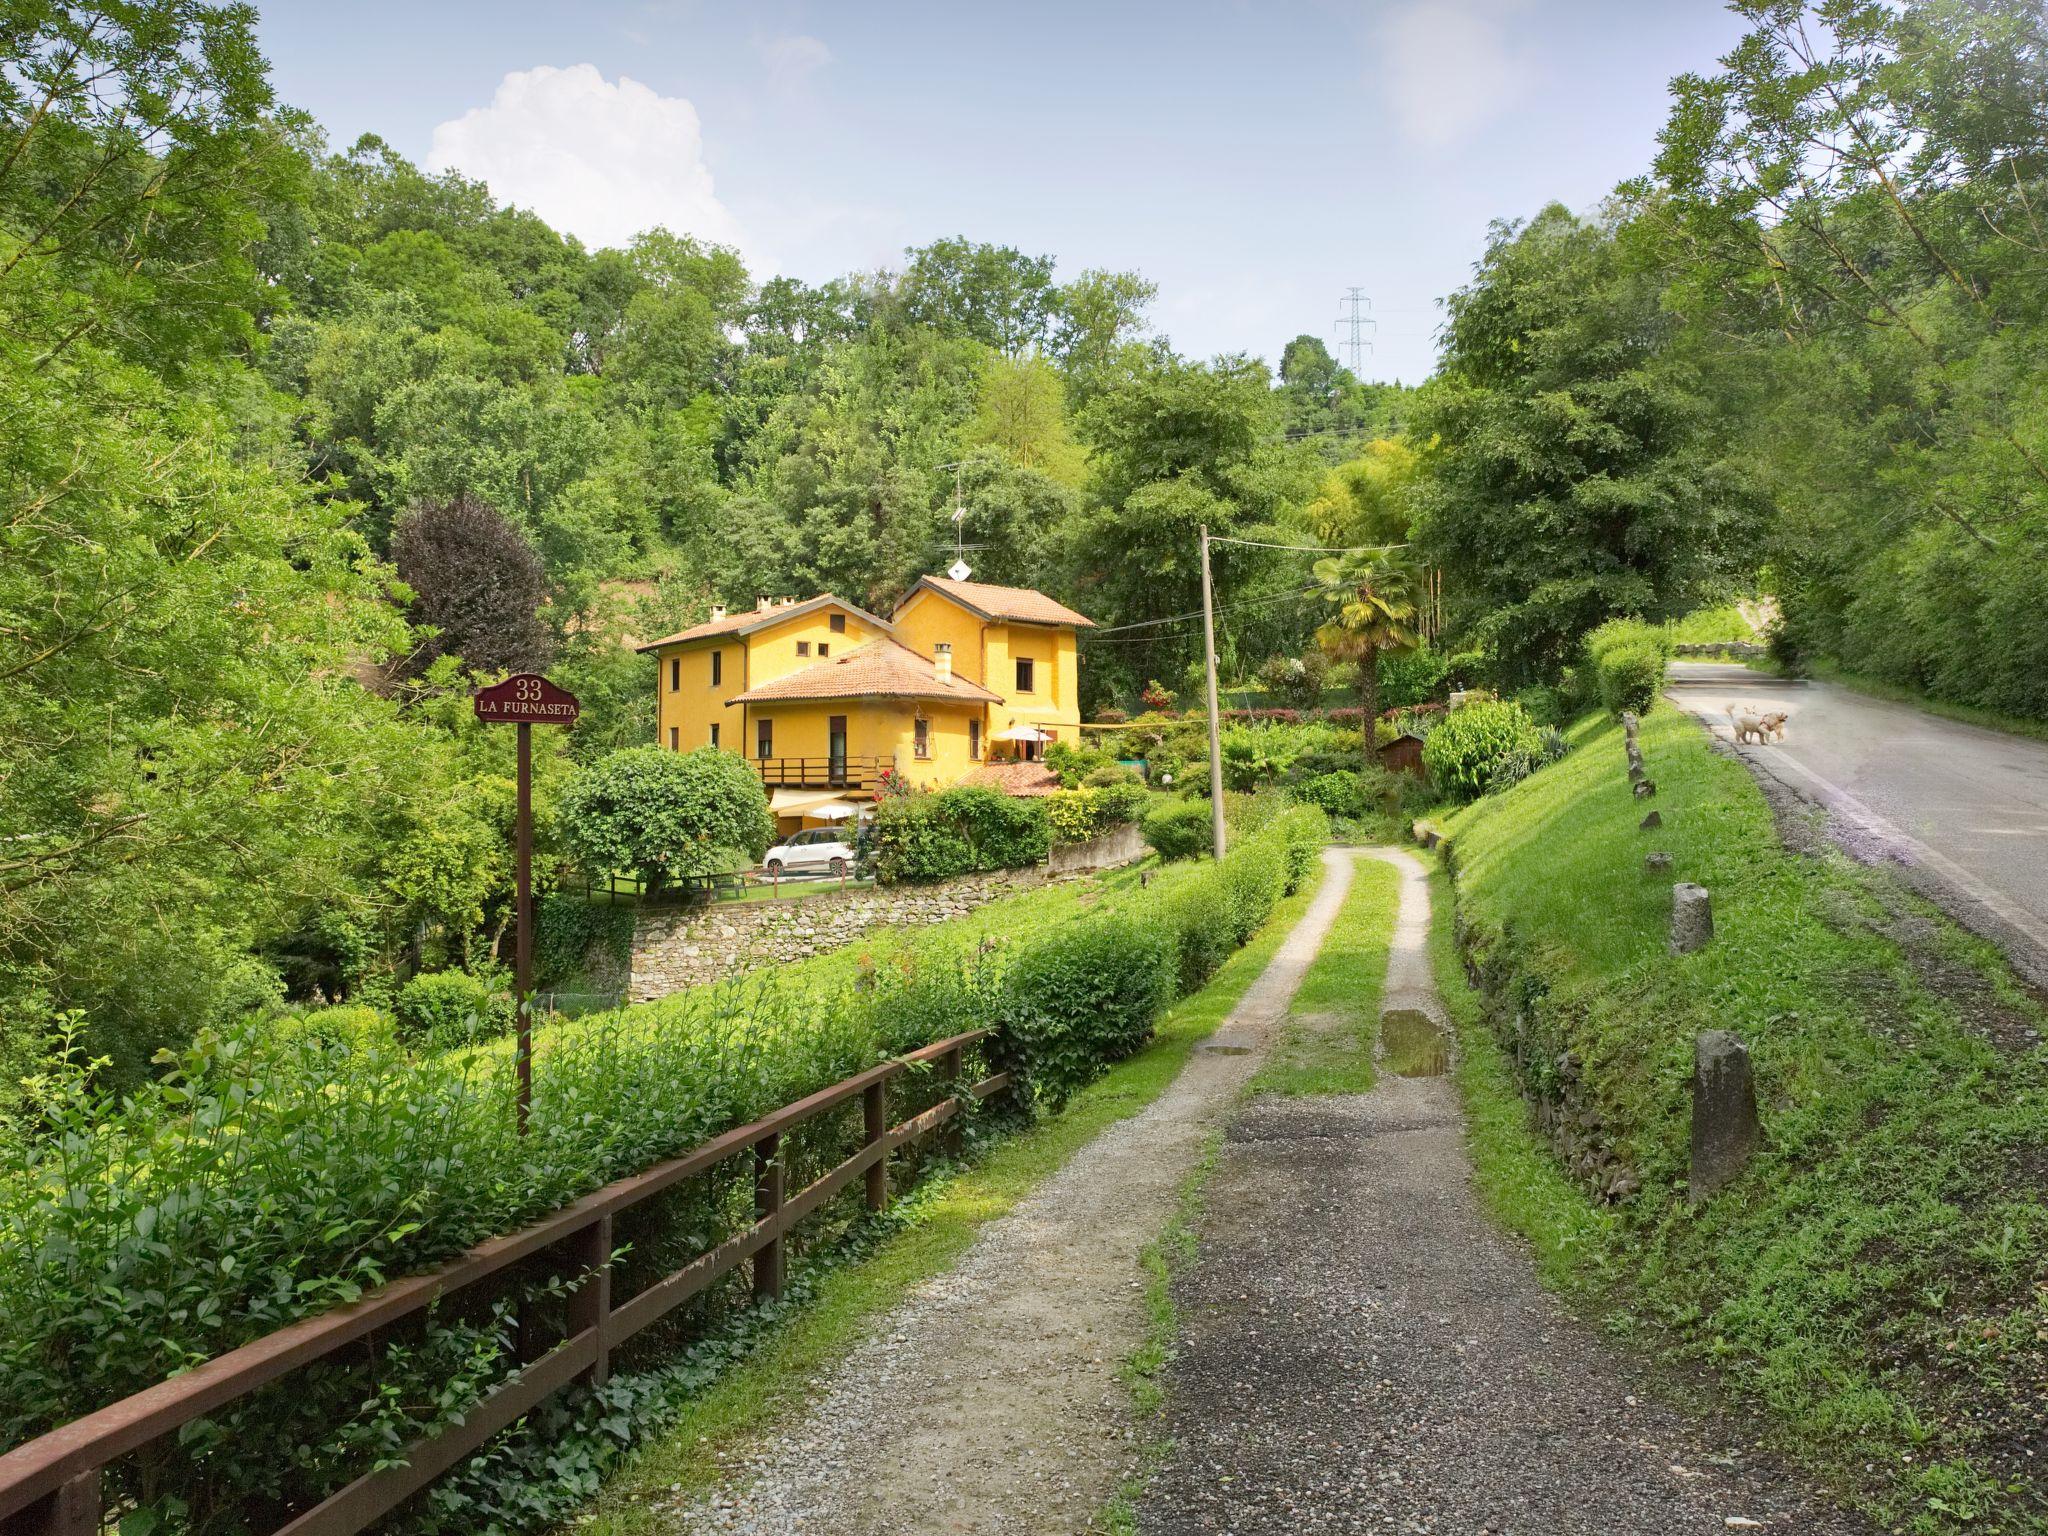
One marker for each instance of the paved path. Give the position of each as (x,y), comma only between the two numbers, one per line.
(991,1400)
(1363,1351)
(1963,810)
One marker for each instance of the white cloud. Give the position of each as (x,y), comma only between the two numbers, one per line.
(1447,68)
(600,159)
(792,60)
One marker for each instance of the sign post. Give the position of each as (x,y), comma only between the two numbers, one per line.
(525,700)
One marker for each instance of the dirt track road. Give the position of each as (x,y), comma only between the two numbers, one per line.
(1963,811)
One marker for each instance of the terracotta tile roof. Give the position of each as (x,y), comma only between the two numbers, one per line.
(747,620)
(880,669)
(1029,780)
(1019,603)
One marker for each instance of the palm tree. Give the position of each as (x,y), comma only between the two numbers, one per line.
(1374,594)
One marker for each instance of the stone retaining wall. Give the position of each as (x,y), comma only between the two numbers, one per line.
(698,945)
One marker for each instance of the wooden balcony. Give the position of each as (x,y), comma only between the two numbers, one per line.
(822,772)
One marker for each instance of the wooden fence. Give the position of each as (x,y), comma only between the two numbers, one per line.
(52,1485)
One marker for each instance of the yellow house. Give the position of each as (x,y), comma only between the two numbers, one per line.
(823,697)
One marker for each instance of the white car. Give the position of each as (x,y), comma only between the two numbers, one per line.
(821,850)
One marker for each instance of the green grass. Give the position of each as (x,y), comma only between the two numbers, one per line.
(1872,1279)
(1327,1044)
(747,1399)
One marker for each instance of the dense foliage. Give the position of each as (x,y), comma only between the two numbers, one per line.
(958,831)
(666,815)
(1476,747)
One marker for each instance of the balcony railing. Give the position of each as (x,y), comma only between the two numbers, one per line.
(821,772)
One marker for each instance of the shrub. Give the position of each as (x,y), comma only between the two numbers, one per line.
(664,815)
(1631,677)
(1304,831)
(1465,748)
(1297,681)
(447,1008)
(1086,994)
(957,832)
(1196,910)
(349,1026)
(1076,815)
(1180,829)
(1255,877)
(1341,793)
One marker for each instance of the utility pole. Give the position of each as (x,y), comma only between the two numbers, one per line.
(1359,323)
(1215,721)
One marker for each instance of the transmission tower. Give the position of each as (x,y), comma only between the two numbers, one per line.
(1353,317)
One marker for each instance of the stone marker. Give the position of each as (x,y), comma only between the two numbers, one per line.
(1657,863)
(1725,1129)
(1629,721)
(1645,788)
(1650,823)
(1692,917)
(1636,774)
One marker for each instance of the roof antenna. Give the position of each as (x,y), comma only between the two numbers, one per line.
(959,570)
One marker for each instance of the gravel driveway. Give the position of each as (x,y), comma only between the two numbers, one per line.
(990,1400)
(1363,1350)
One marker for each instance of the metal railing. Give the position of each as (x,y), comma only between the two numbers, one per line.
(52,1485)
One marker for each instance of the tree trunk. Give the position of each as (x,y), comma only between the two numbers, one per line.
(1369,704)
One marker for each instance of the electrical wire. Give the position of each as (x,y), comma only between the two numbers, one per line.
(1306,549)
(1184,618)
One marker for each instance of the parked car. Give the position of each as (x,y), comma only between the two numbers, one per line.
(820,850)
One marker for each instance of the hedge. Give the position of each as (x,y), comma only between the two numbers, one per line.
(1477,746)
(324,1166)
(957,831)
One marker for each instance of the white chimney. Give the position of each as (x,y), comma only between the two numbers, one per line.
(789,602)
(762,605)
(942,661)
(717,612)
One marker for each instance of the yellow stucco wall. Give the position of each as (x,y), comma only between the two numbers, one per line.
(686,713)
(987,653)
(928,619)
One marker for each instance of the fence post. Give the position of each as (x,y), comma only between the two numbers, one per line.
(590,1250)
(875,1116)
(74,1509)
(767,1202)
(949,1071)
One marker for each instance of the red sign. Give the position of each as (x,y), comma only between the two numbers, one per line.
(527,700)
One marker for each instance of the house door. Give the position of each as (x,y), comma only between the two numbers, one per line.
(835,735)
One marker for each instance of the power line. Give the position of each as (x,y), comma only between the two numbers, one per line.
(1306,549)
(1182,618)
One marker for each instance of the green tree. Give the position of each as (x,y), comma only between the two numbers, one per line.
(1374,595)
(993,294)
(1578,472)
(665,815)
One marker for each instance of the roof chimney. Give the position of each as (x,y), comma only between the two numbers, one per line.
(942,661)
(762,605)
(717,612)
(789,602)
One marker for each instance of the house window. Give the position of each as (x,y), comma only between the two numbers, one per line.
(764,738)
(675,738)
(824,648)
(717,668)
(838,623)
(803,647)
(714,735)
(921,739)
(675,673)
(1026,673)
(974,739)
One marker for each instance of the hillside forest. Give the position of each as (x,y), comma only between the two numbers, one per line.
(300,442)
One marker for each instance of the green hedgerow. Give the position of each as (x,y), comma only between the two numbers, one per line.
(1086,994)
(1180,829)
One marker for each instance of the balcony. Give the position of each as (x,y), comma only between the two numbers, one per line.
(821,772)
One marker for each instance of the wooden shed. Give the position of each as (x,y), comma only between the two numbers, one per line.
(1403,754)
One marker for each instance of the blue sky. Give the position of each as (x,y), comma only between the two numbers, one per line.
(1252,159)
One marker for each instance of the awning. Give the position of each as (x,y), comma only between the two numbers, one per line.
(825,806)
(1021,733)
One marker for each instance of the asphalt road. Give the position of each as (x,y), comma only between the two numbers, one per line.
(1962,811)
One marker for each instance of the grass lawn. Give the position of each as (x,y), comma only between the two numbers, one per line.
(1333,1023)
(746,1399)
(1878,1278)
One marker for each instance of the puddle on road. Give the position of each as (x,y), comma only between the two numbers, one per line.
(1412,1045)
